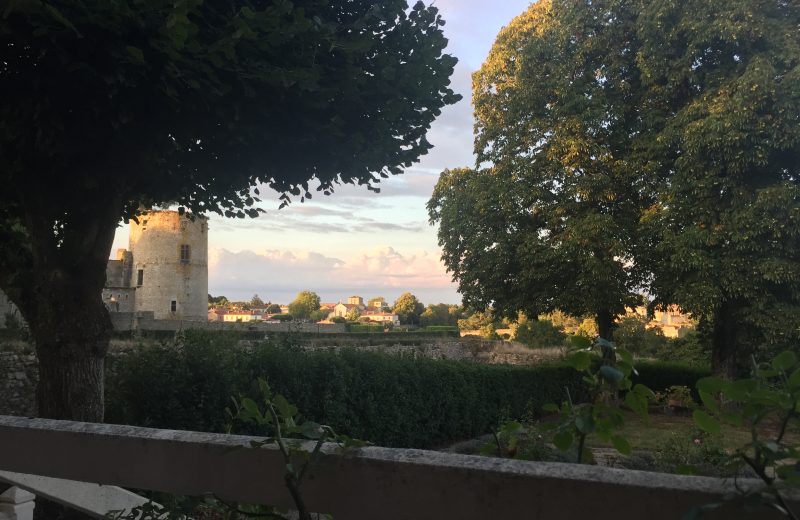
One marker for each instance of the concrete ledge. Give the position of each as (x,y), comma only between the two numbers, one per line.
(364,484)
(93,499)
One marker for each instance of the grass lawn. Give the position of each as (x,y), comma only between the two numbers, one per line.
(661,427)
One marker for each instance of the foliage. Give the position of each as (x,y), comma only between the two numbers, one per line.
(273,308)
(202,371)
(217,301)
(187,103)
(700,453)
(408,308)
(353,314)
(304,304)
(441,314)
(338,319)
(256,302)
(768,404)
(599,414)
(478,320)
(723,87)
(552,221)
(364,327)
(283,424)
(538,333)
(660,376)
(378,299)
(318,315)
(633,335)
(282,317)
(390,400)
(441,328)
(567,323)
(675,397)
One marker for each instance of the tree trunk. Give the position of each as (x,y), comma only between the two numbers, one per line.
(723,342)
(72,330)
(605,329)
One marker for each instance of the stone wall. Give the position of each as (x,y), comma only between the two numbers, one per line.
(18,378)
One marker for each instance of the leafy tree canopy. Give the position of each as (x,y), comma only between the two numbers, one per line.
(626,146)
(256,302)
(108,107)
(441,314)
(304,304)
(724,92)
(552,222)
(408,308)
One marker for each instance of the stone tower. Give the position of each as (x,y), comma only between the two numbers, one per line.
(170,265)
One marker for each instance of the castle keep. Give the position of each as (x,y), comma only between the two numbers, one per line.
(164,270)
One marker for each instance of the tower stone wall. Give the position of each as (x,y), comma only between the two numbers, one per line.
(169,267)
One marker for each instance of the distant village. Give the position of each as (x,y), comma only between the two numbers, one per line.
(161,282)
(376,311)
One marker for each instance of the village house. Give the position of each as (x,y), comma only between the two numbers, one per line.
(672,322)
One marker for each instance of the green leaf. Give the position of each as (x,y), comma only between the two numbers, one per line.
(283,406)
(251,407)
(621,444)
(705,422)
(711,385)
(611,374)
(550,407)
(709,401)
(563,440)
(784,361)
(581,342)
(636,402)
(585,423)
(580,361)
(311,430)
(136,53)
(794,379)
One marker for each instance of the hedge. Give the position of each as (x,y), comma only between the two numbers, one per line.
(389,400)
(396,401)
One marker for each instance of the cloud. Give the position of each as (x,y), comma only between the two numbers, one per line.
(279,275)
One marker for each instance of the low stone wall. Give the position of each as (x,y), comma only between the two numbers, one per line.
(18,377)
(144,321)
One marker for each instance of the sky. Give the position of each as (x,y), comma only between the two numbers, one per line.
(356,242)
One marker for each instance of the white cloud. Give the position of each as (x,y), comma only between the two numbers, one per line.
(279,275)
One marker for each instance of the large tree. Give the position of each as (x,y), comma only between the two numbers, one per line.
(723,83)
(108,106)
(633,145)
(408,308)
(551,219)
(304,304)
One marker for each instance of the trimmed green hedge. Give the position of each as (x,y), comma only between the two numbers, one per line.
(660,375)
(441,328)
(357,327)
(389,400)
(395,401)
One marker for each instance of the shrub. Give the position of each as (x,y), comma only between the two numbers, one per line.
(338,319)
(660,376)
(539,334)
(441,328)
(389,400)
(633,335)
(364,327)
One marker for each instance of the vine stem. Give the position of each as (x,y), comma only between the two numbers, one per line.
(291,482)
